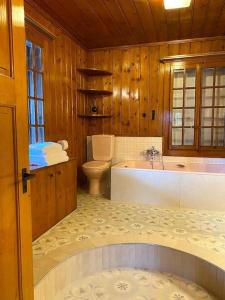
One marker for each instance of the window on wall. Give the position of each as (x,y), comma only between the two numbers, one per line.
(35,92)
(196,120)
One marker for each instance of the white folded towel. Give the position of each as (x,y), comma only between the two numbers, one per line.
(44,148)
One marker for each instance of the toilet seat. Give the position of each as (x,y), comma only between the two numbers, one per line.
(100,165)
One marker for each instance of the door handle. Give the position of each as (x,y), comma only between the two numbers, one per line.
(25,177)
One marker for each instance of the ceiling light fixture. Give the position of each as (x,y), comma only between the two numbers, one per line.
(173,4)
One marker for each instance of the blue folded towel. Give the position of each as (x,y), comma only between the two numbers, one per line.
(46,147)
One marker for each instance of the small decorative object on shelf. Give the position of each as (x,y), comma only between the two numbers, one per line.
(94,109)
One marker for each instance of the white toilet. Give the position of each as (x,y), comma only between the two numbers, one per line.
(102,149)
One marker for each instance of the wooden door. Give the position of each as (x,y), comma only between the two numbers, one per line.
(15,213)
(43,201)
(65,189)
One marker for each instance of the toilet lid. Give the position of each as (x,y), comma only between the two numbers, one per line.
(97,164)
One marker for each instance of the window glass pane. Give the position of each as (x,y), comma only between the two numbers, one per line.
(30,83)
(189,115)
(207,97)
(40,112)
(39,89)
(206,117)
(207,77)
(177,117)
(177,136)
(188,136)
(189,98)
(220,76)
(40,134)
(38,58)
(218,137)
(178,80)
(206,137)
(29,52)
(32,112)
(220,96)
(219,116)
(190,78)
(32,134)
(178,98)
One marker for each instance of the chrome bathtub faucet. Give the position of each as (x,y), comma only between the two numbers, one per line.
(152,154)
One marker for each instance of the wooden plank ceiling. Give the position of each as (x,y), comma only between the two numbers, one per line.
(104,23)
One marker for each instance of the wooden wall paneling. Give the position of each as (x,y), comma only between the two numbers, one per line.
(196,47)
(125,85)
(144,111)
(80,57)
(184,48)
(107,85)
(117,91)
(126,64)
(154,128)
(134,91)
(162,96)
(95,125)
(62,101)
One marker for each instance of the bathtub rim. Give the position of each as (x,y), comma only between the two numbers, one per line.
(117,166)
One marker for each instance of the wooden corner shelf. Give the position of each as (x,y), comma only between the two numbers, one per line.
(95,92)
(94,72)
(94,116)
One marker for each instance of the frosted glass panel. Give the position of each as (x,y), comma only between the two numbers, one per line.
(178,80)
(219,116)
(220,76)
(31,112)
(32,135)
(190,78)
(29,53)
(188,136)
(40,134)
(207,77)
(40,112)
(220,96)
(218,137)
(30,83)
(177,98)
(39,88)
(206,117)
(38,58)
(176,136)
(206,137)
(207,97)
(177,117)
(189,98)
(189,115)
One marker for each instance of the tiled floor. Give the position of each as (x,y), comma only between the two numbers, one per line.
(133,284)
(98,217)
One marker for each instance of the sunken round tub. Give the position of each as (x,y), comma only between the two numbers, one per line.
(135,256)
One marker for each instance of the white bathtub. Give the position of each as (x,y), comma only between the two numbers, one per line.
(178,184)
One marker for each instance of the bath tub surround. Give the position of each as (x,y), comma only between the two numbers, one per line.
(172,182)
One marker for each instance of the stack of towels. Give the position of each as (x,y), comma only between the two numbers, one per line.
(47,154)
